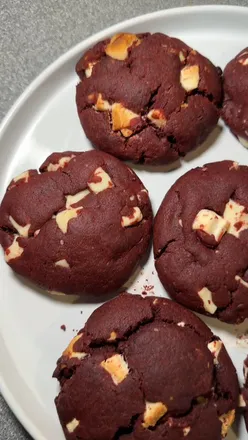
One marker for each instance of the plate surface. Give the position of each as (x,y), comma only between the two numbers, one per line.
(44,120)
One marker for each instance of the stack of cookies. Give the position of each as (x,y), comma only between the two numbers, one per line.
(142,368)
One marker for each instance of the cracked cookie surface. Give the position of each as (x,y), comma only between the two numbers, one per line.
(79,226)
(147,98)
(201,241)
(235,106)
(145,369)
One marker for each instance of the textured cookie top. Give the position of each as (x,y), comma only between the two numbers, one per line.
(147,98)
(201,240)
(145,369)
(235,108)
(80,226)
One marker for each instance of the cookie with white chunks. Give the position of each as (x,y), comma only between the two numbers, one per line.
(235,106)
(147,98)
(145,369)
(201,241)
(80,226)
(244,393)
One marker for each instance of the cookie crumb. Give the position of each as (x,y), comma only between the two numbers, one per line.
(63,327)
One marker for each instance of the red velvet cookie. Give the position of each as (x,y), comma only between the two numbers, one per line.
(147,98)
(201,241)
(145,369)
(235,107)
(80,226)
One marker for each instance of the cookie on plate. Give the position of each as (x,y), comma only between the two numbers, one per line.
(235,106)
(244,395)
(201,241)
(79,227)
(147,98)
(145,369)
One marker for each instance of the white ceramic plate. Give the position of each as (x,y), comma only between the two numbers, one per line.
(44,120)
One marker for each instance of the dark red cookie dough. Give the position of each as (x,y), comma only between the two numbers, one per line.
(245,392)
(235,106)
(80,228)
(147,98)
(201,241)
(145,369)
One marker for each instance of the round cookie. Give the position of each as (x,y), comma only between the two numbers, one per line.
(147,98)
(235,106)
(244,395)
(145,369)
(201,241)
(79,227)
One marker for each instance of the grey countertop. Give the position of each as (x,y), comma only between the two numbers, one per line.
(33,34)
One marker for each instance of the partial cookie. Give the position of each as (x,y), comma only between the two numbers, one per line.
(244,393)
(147,98)
(145,369)
(201,241)
(80,226)
(235,107)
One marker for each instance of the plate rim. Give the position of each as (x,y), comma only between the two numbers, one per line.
(8,396)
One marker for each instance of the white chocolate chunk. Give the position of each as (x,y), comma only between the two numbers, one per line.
(63,218)
(181,324)
(238,278)
(181,56)
(243,141)
(186,431)
(122,117)
(62,263)
(22,230)
(24,176)
(244,62)
(89,70)
(132,219)
(60,164)
(101,104)
(119,45)
(206,297)
(72,425)
(126,132)
(157,118)
(242,403)
(211,223)
(116,367)
(36,232)
(180,222)
(235,166)
(71,200)
(102,181)
(227,421)
(78,355)
(190,77)
(153,412)
(215,348)
(69,351)
(113,336)
(236,216)
(55,293)
(13,251)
